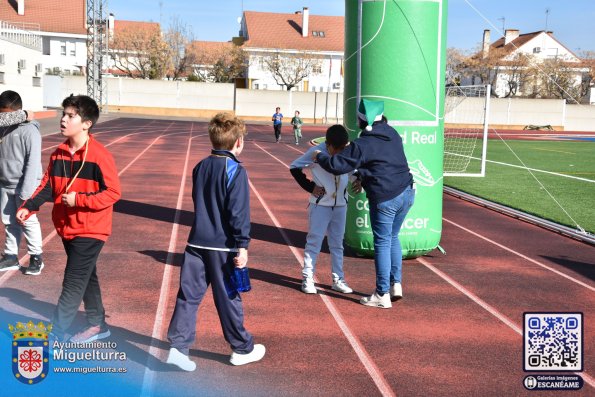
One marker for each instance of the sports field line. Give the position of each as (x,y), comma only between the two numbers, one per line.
(158,325)
(551,150)
(574,280)
(490,309)
(53,234)
(503,247)
(524,168)
(353,340)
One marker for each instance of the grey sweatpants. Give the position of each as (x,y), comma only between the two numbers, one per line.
(201,268)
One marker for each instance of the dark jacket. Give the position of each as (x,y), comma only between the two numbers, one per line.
(221,203)
(379,159)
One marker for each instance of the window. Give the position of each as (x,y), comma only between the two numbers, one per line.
(63,48)
(1,77)
(321,34)
(73,51)
(1,59)
(318,33)
(36,81)
(314,33)
(255,86)
(317,69)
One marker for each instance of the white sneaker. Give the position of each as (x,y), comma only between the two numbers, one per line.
(255,355)
(375,300)
(340,285)
(178,358)
(396,292)
(308,286)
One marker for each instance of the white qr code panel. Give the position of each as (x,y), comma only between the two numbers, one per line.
(553,341)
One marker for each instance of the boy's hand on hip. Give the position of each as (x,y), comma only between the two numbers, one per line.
(22,215)
(241,260)
(318,191)
(69,199)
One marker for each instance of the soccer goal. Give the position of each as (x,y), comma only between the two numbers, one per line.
(466,130)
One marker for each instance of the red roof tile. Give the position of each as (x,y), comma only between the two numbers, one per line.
(209,52)
(57,16)
(284,31)
(136,26)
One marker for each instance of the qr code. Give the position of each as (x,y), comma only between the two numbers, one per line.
(553,341)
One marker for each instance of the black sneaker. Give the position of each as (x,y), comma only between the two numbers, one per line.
(35,265)
(9,262)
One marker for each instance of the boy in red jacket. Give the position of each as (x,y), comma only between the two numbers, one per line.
(82,181)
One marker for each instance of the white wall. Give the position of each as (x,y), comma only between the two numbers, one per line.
(259,104)
(520,111)
(21,81)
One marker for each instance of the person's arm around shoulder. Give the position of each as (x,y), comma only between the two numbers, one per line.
(13,118)
(342,163)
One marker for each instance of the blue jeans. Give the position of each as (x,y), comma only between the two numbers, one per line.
(387,218)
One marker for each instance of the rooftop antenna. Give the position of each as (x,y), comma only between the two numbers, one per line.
(547,14)
(160,12)
(503,24)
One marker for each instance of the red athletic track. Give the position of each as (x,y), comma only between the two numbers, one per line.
(453,334)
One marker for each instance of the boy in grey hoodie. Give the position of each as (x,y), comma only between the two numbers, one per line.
(20,174)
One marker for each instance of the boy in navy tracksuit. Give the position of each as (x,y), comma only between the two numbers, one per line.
(218,241)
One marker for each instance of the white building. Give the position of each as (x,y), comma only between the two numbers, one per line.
(62,27)
(20,64)
(290,36)
(534,48)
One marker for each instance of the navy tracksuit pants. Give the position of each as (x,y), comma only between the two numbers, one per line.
(201,268)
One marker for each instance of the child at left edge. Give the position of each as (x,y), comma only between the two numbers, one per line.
(82,182)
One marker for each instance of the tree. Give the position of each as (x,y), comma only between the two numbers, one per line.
(517,73)
(139,51)
(455,66)
(289,70)
(558,79)
(219,62)
(177,38)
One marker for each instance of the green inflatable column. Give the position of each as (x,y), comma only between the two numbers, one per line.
(395,51)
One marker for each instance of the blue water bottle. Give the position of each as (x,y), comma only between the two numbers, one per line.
(238,281)
(242,279)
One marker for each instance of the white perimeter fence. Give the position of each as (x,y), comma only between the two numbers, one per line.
(204,99)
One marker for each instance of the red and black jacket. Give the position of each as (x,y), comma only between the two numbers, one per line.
(97,188)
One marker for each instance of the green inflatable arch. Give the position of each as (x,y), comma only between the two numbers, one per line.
(395,51)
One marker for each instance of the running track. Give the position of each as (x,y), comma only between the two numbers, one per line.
(455,333)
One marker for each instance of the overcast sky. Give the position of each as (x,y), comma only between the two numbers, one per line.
(572,21)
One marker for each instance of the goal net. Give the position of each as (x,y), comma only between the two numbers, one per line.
(466,130)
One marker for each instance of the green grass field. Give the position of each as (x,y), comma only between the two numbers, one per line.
(517,188)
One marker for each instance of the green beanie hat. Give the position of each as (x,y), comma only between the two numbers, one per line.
(370,111)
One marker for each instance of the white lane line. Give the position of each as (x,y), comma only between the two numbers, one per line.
(53,234)
(490,309)
(574,280)
(353,340)
(158,325)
